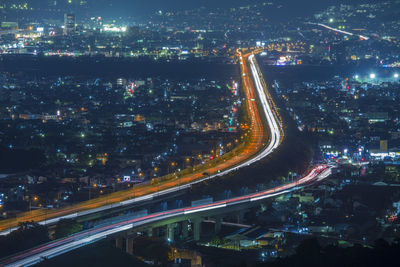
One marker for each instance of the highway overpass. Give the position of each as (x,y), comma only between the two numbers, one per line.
(111,228)
(61,246)
(258,148)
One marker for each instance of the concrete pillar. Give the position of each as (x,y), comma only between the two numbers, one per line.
(150,232)
(170,233)
(185,230)
(218,221)
(240,216)
(197,228)
(119,242)
(155,232)
(129,245)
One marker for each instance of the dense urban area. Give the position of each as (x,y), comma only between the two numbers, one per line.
(109,117)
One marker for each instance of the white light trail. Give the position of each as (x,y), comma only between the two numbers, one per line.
(78,240)
(58,247)
(275,129)
(344,32)
(204,209)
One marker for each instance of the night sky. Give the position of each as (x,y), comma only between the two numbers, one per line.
(302,5)
(140,7)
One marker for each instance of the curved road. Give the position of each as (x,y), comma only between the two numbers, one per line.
(253,152)
(362,37)
(61,246)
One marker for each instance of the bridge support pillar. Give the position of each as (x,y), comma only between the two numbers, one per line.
(170,233)
(119,242)
(218,222)
(150,232)
(197,228)
(240,216)
(185,229)
(156,232)
(129,245)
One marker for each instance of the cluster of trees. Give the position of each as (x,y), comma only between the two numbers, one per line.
(67,227)
(151,249)
(146,66)
(31,234)
(17,160)
(28,235)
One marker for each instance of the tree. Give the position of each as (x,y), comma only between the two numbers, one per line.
(28,235)
(151,249)
(309,248)
(67,227)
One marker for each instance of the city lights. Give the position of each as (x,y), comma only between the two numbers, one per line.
(201,128)
(111,28)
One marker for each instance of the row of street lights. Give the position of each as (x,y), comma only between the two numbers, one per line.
(372,76)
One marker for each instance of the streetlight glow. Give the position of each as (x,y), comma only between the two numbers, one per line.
(372,76)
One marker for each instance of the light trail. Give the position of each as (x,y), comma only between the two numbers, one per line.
(61,246)
(362,37)
(253,153)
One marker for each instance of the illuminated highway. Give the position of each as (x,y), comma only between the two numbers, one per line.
(319,173)
(362,37)
(254,151)
(78,240)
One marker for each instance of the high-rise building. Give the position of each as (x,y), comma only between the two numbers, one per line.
(69,24)
(384,145)
(122,82)
(338,53)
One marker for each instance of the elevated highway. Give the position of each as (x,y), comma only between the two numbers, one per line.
(256,87)
(57,247)
(261,143)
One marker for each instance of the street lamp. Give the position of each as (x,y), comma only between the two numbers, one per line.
(35,198)
(396,75)
(372,76)
(90,190)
